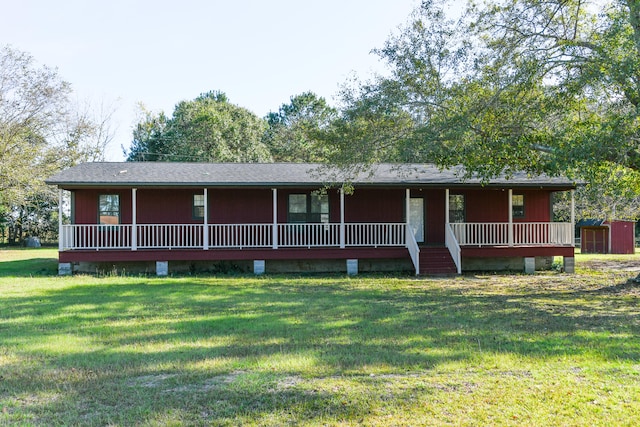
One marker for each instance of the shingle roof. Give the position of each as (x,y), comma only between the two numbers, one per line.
(161,174)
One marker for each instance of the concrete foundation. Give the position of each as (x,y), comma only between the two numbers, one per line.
(352,267)
(529,265)
(258,267)
(305,266)
(162,268)
(569,264)
(504,264)
(246,267)
(64,269)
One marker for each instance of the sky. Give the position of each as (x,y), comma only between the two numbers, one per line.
(118,54)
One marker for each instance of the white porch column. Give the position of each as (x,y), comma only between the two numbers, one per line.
(573,218)
(275,219)
(447,220)
(60,232)
(407,202)
(510,231)
(134,219)
(342,227)
(205,225)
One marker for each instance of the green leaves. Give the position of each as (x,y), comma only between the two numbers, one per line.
(209,128)
(293,132)
(41,132)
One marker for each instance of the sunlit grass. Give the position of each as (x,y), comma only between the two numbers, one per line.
(547,349)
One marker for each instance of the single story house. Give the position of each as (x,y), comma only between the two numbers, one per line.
(298,217)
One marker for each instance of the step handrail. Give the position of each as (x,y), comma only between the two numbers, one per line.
(414,249)
(454,247)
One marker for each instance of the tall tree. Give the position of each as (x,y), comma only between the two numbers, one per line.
(41,131)
(544,86)
(292,132)
(209,128)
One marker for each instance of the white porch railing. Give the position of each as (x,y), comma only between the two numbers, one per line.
(190,236)
(543,233)
(82,236)
(240,236)
(522,234)
(169,236)
(308,235)
(375,234)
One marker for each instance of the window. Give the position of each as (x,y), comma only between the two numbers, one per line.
(319,208)
(456,208)
(198,206)
(308,208)
(517,205)
(109,209)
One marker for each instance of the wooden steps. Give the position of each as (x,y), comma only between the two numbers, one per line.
(436,261)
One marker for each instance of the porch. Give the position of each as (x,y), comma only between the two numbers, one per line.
(328,240)
(332,235)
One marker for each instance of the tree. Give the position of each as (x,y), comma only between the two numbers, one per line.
(541,86)
(292,132)
(209,128)
(41,132)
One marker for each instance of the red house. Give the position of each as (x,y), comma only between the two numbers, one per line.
(272,217)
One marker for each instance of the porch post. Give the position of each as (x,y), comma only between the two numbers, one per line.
(573,218)
(274,230)
(407,202)
(134,219)
(60,233)
(205,225)
(342,227)
(447,220)
(510,231)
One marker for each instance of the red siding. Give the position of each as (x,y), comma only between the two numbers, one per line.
(248,206)
(486,206)
(368,205)
(166,206)
(86,205)
(364,205)
(537,206)
(493,205)
(623,237)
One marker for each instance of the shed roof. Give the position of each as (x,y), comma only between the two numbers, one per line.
(590,222)
(173,174)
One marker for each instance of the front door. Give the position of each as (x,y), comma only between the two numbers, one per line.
(416,217)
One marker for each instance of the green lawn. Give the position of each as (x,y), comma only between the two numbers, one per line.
(547,349)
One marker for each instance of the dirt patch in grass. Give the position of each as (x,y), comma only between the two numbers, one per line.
(602,264)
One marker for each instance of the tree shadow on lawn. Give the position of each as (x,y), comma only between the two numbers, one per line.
(29,267)
(186,335)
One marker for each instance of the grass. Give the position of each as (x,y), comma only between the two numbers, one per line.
(547,349)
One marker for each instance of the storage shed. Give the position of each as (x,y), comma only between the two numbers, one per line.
(607,237)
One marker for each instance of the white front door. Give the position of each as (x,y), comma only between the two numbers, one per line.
(416,217)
